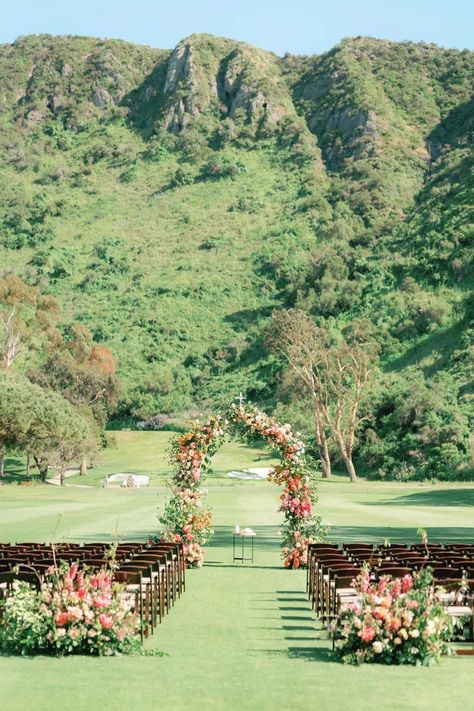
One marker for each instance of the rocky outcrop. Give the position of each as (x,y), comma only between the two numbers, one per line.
(222,78)
(101,97)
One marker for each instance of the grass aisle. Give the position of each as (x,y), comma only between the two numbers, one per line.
(242,637)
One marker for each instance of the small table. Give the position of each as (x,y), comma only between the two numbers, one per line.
(242,555)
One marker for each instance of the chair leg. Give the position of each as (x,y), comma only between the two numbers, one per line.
(163,592)
(139,607)
(146,606)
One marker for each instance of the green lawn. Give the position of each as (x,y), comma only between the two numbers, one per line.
(147,453)
(242,637)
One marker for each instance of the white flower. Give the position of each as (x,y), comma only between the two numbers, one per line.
(415,633)
(430,628)
(377,647)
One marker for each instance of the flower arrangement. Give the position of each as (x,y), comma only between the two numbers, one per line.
(73,612)
(397,621)
(191,453)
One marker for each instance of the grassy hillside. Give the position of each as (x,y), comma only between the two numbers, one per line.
(172,199)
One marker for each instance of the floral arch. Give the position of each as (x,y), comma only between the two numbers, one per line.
(184,518)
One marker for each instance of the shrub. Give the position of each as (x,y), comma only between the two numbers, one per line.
(222,167)
(183,176)
(129,174)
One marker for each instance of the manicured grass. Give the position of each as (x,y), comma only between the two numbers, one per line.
(242,636)
(147,453)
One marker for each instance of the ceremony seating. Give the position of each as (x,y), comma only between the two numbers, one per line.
(331,570)
(154,574)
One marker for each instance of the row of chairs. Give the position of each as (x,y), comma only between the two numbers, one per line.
(154,574)
(331,570)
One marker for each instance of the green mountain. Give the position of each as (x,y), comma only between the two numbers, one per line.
(172,199)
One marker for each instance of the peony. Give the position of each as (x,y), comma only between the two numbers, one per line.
(397,640)
(377,647)
(407,583)
(74,633)
(367,634)
(415,633)
(107,621)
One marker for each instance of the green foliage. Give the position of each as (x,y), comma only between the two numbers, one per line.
(184,175)
(41,422)
(419,430)
(222,167)
(26,223)
(55,262)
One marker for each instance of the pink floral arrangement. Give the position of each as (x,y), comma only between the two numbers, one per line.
(395,621)
(73,612)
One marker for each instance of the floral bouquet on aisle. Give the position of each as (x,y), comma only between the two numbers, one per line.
(396,621)
(73,612)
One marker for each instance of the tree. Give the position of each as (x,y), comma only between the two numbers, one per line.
(42,422)
(335,371)
(294,335)
(83,372)
(25,315)
(344,372)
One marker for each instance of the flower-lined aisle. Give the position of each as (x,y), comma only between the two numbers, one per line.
(184,518)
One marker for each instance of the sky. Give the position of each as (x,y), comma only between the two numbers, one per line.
(295,26)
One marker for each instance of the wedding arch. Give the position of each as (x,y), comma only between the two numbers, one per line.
(186,520)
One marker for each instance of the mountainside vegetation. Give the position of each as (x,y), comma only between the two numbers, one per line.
(171,201)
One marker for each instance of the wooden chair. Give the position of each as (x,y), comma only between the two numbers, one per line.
(159,583)
(342,594)
(134,585)
(322,593)
(395,571)
(314,550)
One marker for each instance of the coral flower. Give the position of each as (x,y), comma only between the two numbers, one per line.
(367,634)
(107,621)
(61,619)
